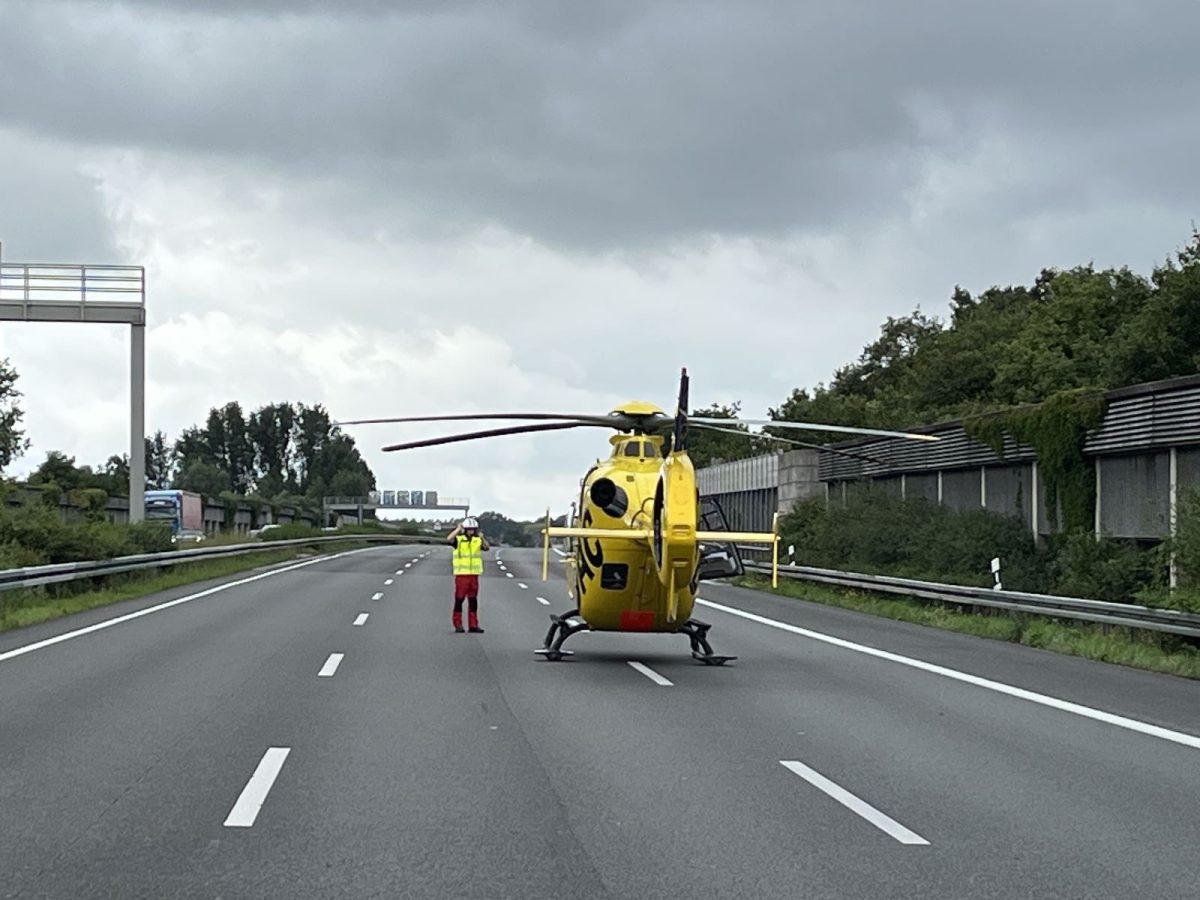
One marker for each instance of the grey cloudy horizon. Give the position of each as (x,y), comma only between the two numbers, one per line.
(403,208)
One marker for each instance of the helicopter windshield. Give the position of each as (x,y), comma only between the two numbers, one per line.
(641,448)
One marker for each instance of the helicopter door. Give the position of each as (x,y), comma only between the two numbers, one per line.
(716,560)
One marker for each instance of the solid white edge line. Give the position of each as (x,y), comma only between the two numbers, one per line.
(854,804)
(108,623)
(331,665)
(377,596)
(254,794)
(362,619)
(1087,712)
(543,601)
(651,674)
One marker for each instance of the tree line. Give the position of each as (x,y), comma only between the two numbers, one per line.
(1073,330)
(281,452)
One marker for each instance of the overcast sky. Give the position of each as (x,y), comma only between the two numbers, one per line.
(461,205)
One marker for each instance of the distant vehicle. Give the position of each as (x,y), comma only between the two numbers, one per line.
(183,511)
(258,532)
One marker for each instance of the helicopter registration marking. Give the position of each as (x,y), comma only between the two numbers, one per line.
(854,804)
(651,674)
(1087,712)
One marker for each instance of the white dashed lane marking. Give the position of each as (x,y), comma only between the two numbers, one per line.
(254,794)
(331,665)
(854,804)
(651,674)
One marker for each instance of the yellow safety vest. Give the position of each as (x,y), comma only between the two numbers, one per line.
(468,556)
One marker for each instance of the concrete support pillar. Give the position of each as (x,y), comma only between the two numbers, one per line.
(137,423)
(1173,507)
(1033,505)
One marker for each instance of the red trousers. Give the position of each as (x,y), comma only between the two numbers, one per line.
(466,587)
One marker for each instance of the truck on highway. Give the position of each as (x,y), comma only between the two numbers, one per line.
(182,510)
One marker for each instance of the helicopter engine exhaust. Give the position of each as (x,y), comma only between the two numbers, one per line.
(610,497)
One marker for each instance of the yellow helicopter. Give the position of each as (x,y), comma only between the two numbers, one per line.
(637,550)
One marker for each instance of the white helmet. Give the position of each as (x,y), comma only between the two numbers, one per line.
(470,522)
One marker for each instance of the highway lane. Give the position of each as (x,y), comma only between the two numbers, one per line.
(116,746)
(433,764)
(1015,799)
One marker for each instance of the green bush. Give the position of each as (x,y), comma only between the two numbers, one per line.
(878,532)
(1117,571)
(292,532)
(93,502)
(1187,539)
(37,535)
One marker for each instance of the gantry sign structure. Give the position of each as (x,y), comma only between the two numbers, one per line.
(100,294)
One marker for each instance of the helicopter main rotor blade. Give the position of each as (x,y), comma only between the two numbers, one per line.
(823,447)
(471,417)
(813,426)
(681,413)
(493,432)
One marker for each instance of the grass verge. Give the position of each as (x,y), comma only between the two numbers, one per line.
(28,607)
(1135,648)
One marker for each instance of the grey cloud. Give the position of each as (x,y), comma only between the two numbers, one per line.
(644,124)
(50,212)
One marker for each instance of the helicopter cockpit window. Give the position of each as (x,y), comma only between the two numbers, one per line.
(649,449)
(633,449)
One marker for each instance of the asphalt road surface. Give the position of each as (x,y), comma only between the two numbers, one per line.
(321,732)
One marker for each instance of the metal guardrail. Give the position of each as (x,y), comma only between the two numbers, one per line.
(1125,615)
(35,576)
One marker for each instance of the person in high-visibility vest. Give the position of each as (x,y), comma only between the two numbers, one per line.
(468,543)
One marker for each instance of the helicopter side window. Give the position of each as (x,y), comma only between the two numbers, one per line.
(649,450)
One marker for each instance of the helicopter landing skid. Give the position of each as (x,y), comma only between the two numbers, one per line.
(562,629)
(697,633)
